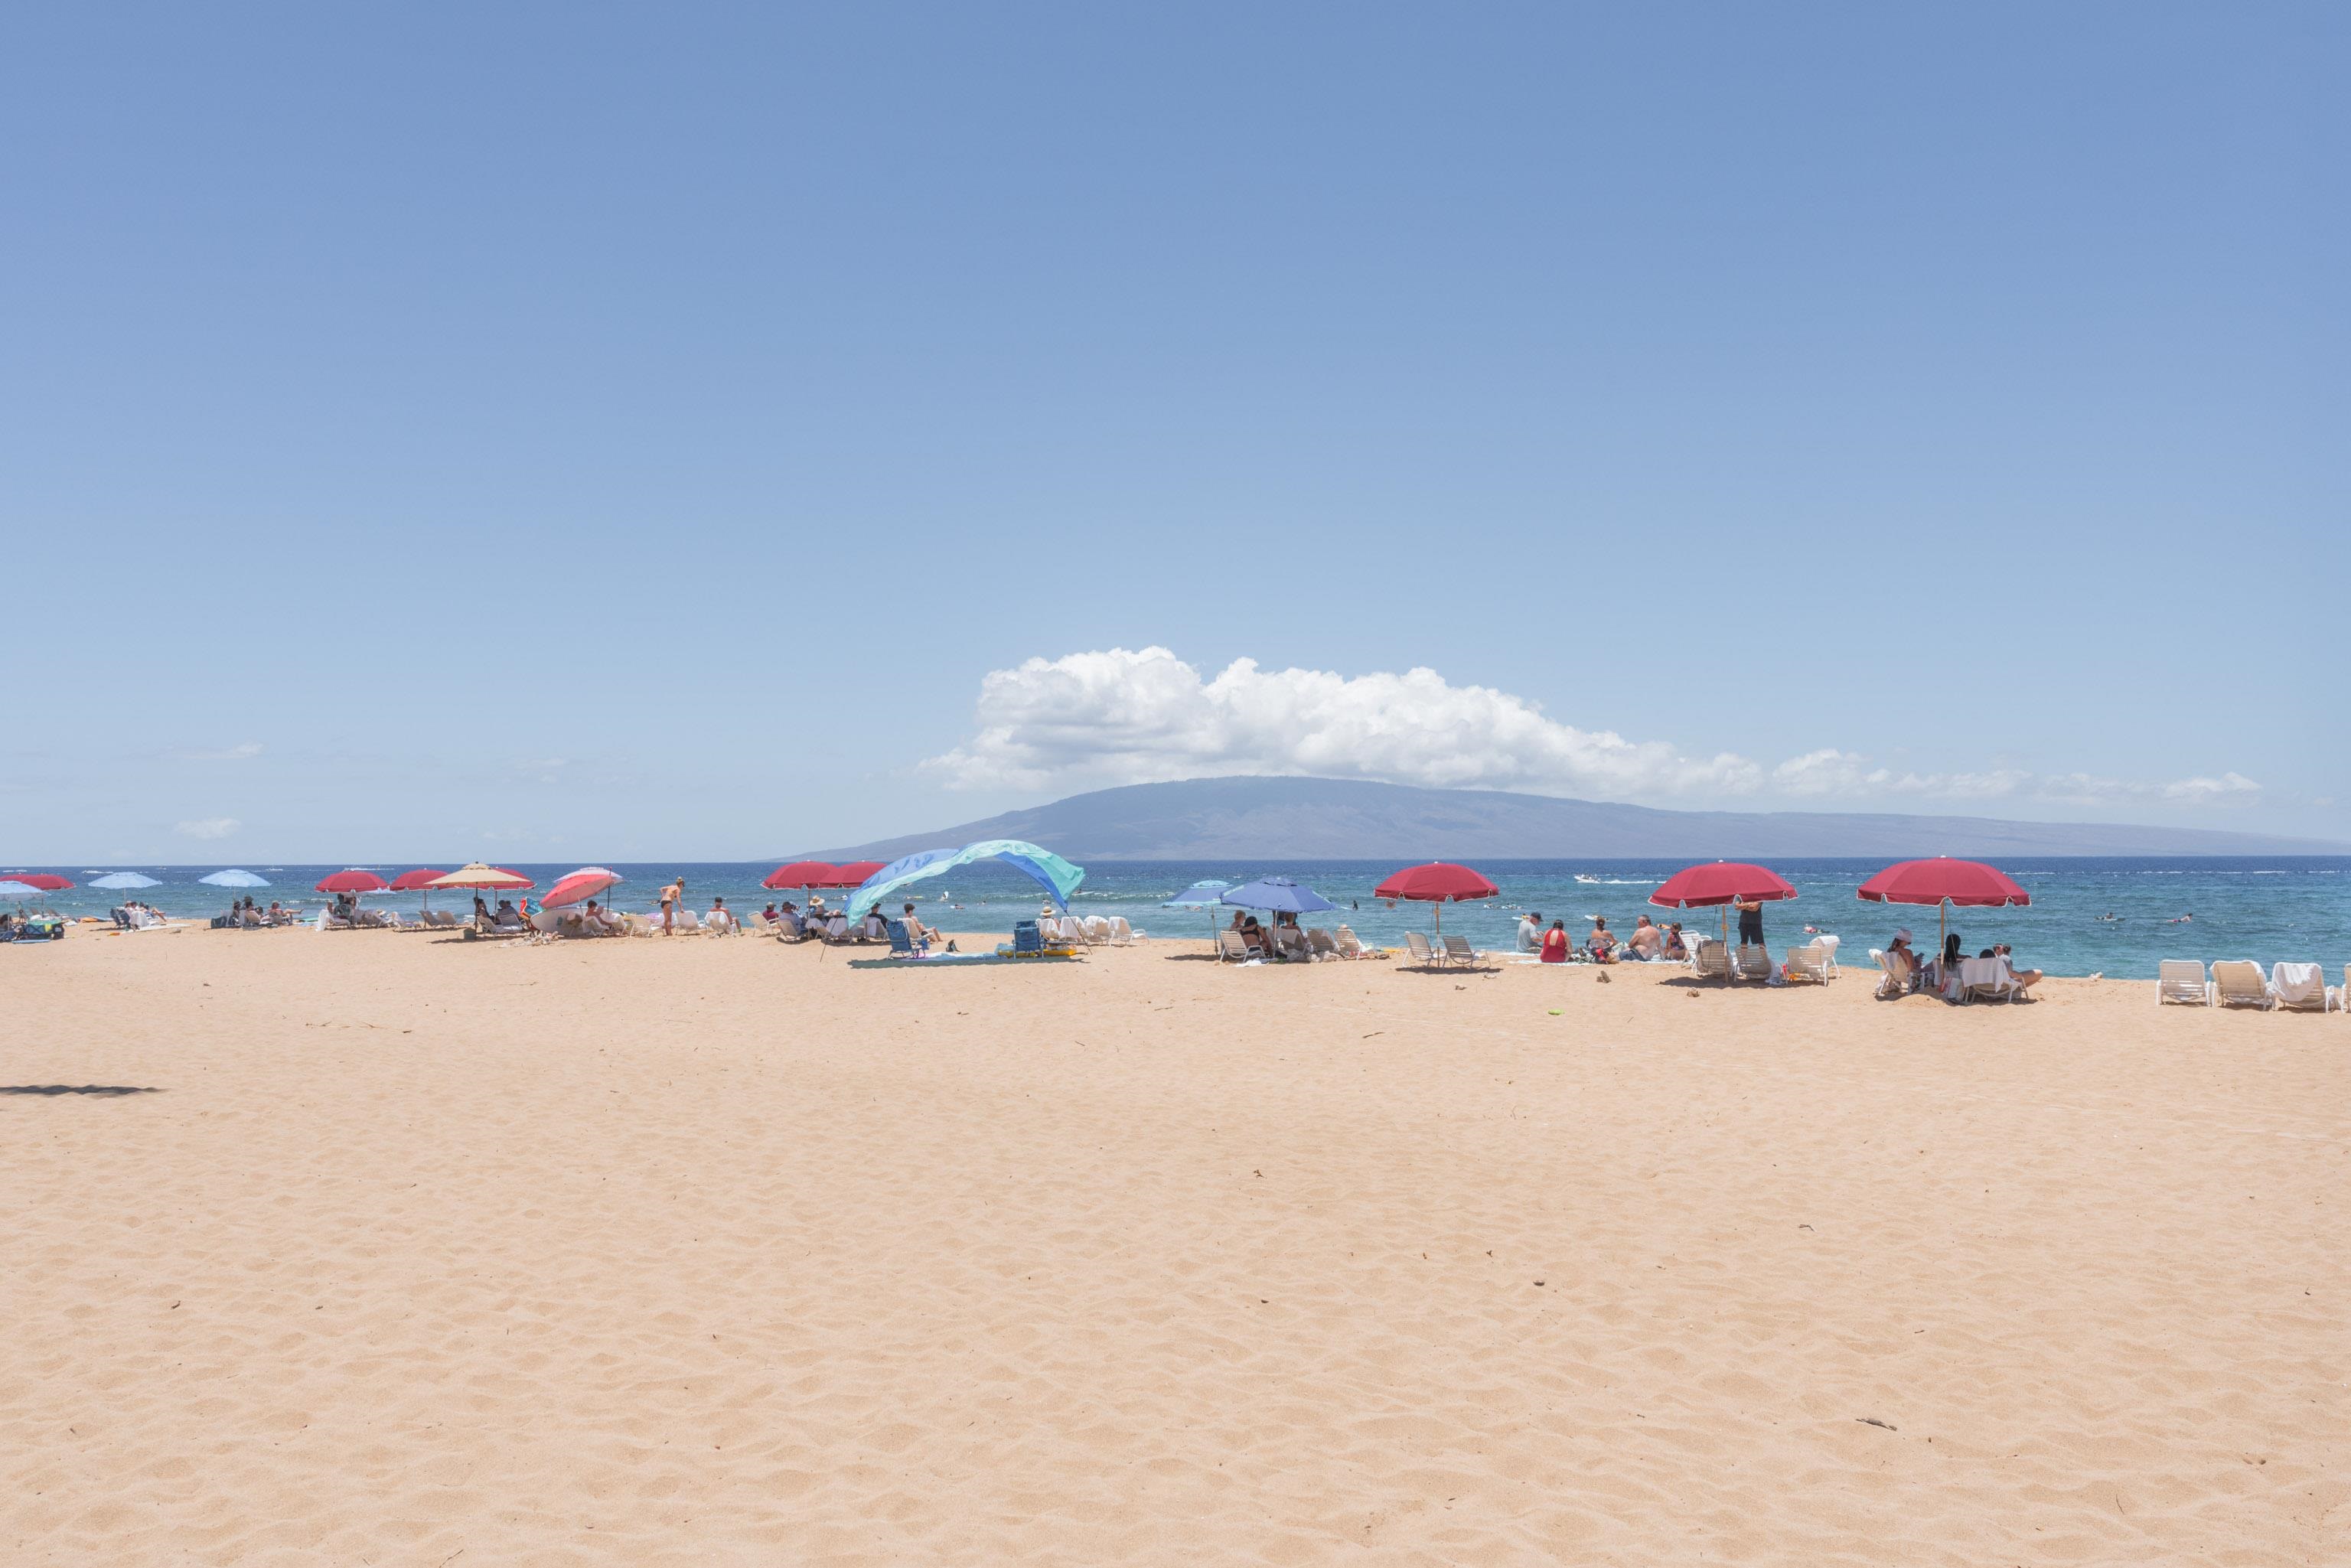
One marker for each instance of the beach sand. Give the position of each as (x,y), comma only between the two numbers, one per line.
(416,1251)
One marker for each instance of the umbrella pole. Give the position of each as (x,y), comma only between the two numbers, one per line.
(1725,944)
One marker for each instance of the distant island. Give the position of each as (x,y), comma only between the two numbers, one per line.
(1336,819)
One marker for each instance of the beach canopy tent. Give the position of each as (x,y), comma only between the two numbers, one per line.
(1056,876)
(1438,883)
(114,880)
(353,881)
(806,873)
(234,879)
(1944,882)
(1208,895)
(1722,883)
(44,881)
(476,875)
(1277,894)
(579,886)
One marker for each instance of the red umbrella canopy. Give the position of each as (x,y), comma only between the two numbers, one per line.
(806,873)
(1437,882)
(854,873)
(352,882)
(47,881)
(1969,883)
(1724,881)
(423,877)
(584,884)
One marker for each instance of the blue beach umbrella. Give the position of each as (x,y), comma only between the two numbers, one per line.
(18,893)
(1201,895)
(115,881)
(234,879)
(1277,893)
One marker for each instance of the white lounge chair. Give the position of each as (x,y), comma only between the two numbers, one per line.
(1121,933)
(1351,946)
(1710,960)
(1809,962)
(1828,946)
(1754,963)
(1231,948)
(2240,983)
(1458,950)
(2182,980)
(1319,940)
(686,920)
(2298,988)
(1422,953)
(1098,930)
(1986,980)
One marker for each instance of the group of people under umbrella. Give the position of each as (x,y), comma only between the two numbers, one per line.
(1729,885)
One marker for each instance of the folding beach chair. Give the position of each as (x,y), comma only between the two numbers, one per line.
(1026,938)
(1458,951)
(2240,983)
(1754,963)
(1121,933)
(1319,941)
(2182,980)
(1231,950)
(1710,960)
(2298,988)
(1987,980)
(1422,953)
(902,946)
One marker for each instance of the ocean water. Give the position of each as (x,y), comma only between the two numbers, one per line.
(2286,907)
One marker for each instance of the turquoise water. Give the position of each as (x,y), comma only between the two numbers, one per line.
(2288,908)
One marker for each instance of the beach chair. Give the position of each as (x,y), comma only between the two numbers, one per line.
(2240,983)
(902,946)
(1710,960)
(1986,980)
(1828,946)
(688,920)
(545,920)
(1422,953)
(2182,980)
(1809,962)
(1289,945)
(1230,948)
(1121,933)
(1753,963)
(1458,951)
(1319,943)
(2298,988)
(1097,930)
(1026,940)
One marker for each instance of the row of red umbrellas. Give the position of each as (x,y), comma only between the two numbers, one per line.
(1941,881)
(821,874)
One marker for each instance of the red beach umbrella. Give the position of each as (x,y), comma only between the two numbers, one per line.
(584,884)
(854,873)
(1437,883)
(352,882)
(1724,882)
(423,877)
(805,874)
(1944,882)
(47,881)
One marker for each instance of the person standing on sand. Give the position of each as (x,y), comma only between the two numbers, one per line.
(1751,921)
(669,897)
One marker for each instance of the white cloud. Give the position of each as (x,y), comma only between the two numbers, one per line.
(1130,717)
(208,828)
(243,752)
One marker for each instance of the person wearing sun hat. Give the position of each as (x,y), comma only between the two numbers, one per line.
(1901,967)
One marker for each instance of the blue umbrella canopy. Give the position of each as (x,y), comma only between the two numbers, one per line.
(19,891)
(1278,893)
(1199,895)
(1056,876)
(234,879)
(124,879)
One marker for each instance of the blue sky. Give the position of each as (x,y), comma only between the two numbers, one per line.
(608,431)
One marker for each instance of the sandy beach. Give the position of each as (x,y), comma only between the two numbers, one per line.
(392,1250)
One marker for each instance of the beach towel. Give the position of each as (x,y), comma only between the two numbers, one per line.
(2298,985)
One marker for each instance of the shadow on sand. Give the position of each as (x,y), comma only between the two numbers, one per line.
(103,1090)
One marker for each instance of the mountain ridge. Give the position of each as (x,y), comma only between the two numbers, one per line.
(1254,816)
